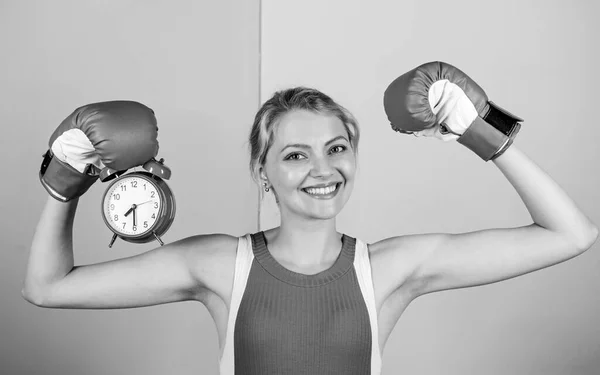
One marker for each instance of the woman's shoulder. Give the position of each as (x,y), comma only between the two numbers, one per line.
(208,245)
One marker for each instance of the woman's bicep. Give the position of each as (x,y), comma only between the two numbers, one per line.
(433,262)
(492,255)
(171,273)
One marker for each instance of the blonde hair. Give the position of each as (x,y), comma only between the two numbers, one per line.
(282,102)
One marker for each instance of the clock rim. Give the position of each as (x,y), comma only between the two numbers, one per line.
(149,233)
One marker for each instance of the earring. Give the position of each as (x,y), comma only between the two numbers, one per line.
(266,187)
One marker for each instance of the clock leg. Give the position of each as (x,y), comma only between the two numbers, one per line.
(114,237)
(158,239)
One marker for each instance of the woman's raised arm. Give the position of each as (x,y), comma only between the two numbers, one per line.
(560,231)
(182,270)
(438,100)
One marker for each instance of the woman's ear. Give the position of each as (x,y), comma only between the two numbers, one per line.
(262,174)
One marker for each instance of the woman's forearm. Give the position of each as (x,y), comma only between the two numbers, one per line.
(51,253)
(549,205)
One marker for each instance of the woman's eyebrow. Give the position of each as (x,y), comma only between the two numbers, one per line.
(301,145)
(335,139)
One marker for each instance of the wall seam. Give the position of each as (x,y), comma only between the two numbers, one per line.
(260,22)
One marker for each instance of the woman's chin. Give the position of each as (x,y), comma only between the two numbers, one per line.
(324,213)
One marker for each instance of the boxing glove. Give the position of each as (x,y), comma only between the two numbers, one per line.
(439,100)
(98,140)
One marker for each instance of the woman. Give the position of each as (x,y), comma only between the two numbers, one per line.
(302,297)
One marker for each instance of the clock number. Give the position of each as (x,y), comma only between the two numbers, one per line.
(123,225)
(112,207)
(133,184)
(116,218)
(144,186)
(145,224)
(152,194)
(155,204)
(134,228)
(117,196)
(123,187)
(154,216)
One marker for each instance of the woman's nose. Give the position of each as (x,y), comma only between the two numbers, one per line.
(321,167)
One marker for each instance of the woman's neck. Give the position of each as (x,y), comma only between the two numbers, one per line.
(305,243)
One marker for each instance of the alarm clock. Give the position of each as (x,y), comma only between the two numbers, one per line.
(138,207)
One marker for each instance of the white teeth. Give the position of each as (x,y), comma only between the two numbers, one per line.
(321,191)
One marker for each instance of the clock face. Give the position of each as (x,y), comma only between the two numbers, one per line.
(132,205)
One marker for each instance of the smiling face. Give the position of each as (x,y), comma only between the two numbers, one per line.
(310,165)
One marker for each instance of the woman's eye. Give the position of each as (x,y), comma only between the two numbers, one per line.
(337,149)
(294,156)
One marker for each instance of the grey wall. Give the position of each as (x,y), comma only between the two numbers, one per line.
(196,64)
(538,59)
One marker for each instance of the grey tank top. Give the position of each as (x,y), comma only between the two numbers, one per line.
(283,322)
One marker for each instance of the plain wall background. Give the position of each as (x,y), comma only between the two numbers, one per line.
(537,59)
(196,64)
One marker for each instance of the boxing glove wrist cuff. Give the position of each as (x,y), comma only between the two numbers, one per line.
(501,119)
(508,143)
(493,133)
(483,139)
(62,181)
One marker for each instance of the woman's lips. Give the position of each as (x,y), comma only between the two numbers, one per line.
(326,192)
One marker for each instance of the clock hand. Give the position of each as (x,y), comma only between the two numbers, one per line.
(150,200)
(132,208)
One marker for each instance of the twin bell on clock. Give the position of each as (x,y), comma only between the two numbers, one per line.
(104,141)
